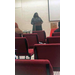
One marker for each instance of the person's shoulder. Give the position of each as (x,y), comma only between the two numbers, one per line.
(39,17)
(32,18)
(57,30)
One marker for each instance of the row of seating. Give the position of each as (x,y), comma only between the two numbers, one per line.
(41,35)
(40,51)
(34,38)
(47,56)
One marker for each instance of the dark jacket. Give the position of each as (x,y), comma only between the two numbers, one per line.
(36,21)
(57,30)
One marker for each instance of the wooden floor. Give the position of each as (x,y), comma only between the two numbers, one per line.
(32,58)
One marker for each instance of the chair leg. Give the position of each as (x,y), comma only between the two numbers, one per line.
(18,57)
(30,57)
(25,57)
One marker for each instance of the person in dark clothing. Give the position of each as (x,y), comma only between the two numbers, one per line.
(58,30)
(36,22)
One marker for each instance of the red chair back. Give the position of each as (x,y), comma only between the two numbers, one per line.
(41,35)
(21,46)
(32,39)
(54,39)
(33,67)
(50,52)
(56,34)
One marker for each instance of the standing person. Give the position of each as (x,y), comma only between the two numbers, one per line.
(36,22)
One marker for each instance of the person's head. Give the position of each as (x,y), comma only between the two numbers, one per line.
(59,24)
(16,25)
(36,15)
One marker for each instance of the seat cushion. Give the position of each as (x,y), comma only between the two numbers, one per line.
(31,51)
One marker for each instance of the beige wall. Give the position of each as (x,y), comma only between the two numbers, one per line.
(24,11)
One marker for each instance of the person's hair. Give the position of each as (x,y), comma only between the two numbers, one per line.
(35,15)
(16,25)
(59,24)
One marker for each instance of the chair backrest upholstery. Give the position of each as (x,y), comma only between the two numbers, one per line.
(32,39)
(54,39)
(50,52)
(41,35)
(56,34)
(33,67)
(21,46)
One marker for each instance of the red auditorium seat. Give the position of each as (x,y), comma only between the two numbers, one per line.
(56,34)
(41,35)
(33,67)
(54,39)
(50,52)
(21,47)
(17,35)
(32,39)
